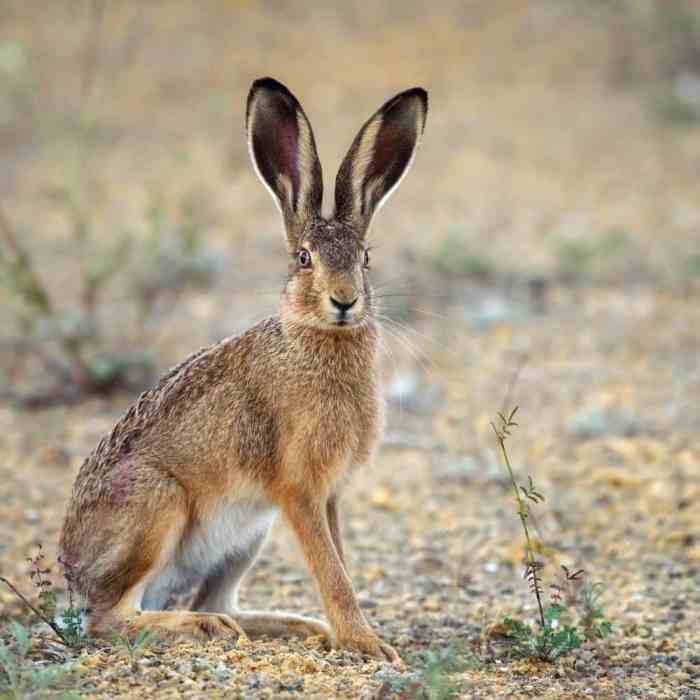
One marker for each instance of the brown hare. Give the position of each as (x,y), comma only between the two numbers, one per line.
(186,486)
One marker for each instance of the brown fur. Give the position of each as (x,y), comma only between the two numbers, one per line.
(273,419)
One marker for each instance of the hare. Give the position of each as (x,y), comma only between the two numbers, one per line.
(184,489)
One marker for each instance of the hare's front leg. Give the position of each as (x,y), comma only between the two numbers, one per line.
(308,517)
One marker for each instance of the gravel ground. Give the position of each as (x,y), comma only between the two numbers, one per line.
(600,353)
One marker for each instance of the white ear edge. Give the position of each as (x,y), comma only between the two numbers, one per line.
(409,165)
(307,158)
(362,160)
(254,161)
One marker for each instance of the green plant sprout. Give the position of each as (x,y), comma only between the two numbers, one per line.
(557,634)
(523,509)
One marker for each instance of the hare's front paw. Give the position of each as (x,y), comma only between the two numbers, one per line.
(368,643)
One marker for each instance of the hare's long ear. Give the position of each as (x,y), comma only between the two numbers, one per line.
(283,152)
(379,157)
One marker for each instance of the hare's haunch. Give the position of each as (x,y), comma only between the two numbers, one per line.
(184,489)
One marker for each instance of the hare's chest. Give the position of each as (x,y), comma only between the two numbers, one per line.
(337,425)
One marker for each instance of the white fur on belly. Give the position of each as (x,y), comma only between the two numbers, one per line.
(233,528)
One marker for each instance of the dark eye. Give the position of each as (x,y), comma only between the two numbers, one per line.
(304,258)
(366,263)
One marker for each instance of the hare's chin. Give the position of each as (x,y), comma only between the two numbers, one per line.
(346,324)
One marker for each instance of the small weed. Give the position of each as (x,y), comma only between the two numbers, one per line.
(556,634)
(547,643)
(520,494)
(432,675)
(134,648)
(69,626)
(218,673)
(20,678)
(436,667)
(592,617)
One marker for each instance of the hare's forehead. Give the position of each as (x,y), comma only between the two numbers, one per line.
(338,245)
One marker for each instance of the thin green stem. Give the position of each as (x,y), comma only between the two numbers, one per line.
(523,510)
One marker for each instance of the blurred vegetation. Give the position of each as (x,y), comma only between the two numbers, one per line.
(584,259)
(68,336)
(454,256)
(73,337)
(21,677)
(658,44)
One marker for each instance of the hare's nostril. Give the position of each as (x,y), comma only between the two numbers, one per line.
(341,306)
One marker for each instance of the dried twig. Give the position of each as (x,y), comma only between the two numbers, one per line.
(56,629)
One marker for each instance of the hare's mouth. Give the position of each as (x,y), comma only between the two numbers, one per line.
(345,322)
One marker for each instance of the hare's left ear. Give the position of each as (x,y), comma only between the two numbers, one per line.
(379,157)
(283,152)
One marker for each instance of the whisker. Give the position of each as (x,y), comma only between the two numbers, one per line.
(434,314)
(408,329)
(398,332)
(384,346)
(407,346)
(409,295)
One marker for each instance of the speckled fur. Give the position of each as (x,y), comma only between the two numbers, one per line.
(189,480)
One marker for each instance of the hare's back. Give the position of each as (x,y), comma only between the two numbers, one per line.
(194,403)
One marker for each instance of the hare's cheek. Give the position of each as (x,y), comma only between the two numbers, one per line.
(302,292)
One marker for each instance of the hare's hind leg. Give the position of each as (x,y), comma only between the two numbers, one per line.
(134,556)
(219,594)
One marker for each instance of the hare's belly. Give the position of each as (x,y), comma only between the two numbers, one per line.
(229,533)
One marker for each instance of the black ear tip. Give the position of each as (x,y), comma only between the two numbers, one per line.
(419,93)
(267,83)
(273,88)
(403,98)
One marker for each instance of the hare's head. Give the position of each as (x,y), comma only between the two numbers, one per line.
(328,283)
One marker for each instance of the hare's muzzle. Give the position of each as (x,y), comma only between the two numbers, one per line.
(344,308)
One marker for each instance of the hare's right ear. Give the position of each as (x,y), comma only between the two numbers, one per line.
(379,157)
(283,152)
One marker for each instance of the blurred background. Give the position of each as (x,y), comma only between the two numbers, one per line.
(544,251)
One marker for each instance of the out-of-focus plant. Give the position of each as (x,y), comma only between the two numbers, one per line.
(174,255)
(20,677)
(657,48)
(454,257)
(67,336)
(583,259)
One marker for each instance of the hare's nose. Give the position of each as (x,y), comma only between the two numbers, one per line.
(343,307)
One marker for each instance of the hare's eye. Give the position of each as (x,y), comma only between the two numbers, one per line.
(304,258)
(366,262)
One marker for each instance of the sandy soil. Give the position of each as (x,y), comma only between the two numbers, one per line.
(535,150)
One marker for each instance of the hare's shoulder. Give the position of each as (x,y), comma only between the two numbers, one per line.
(179,388)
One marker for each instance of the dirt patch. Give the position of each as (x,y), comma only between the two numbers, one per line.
(550,224)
